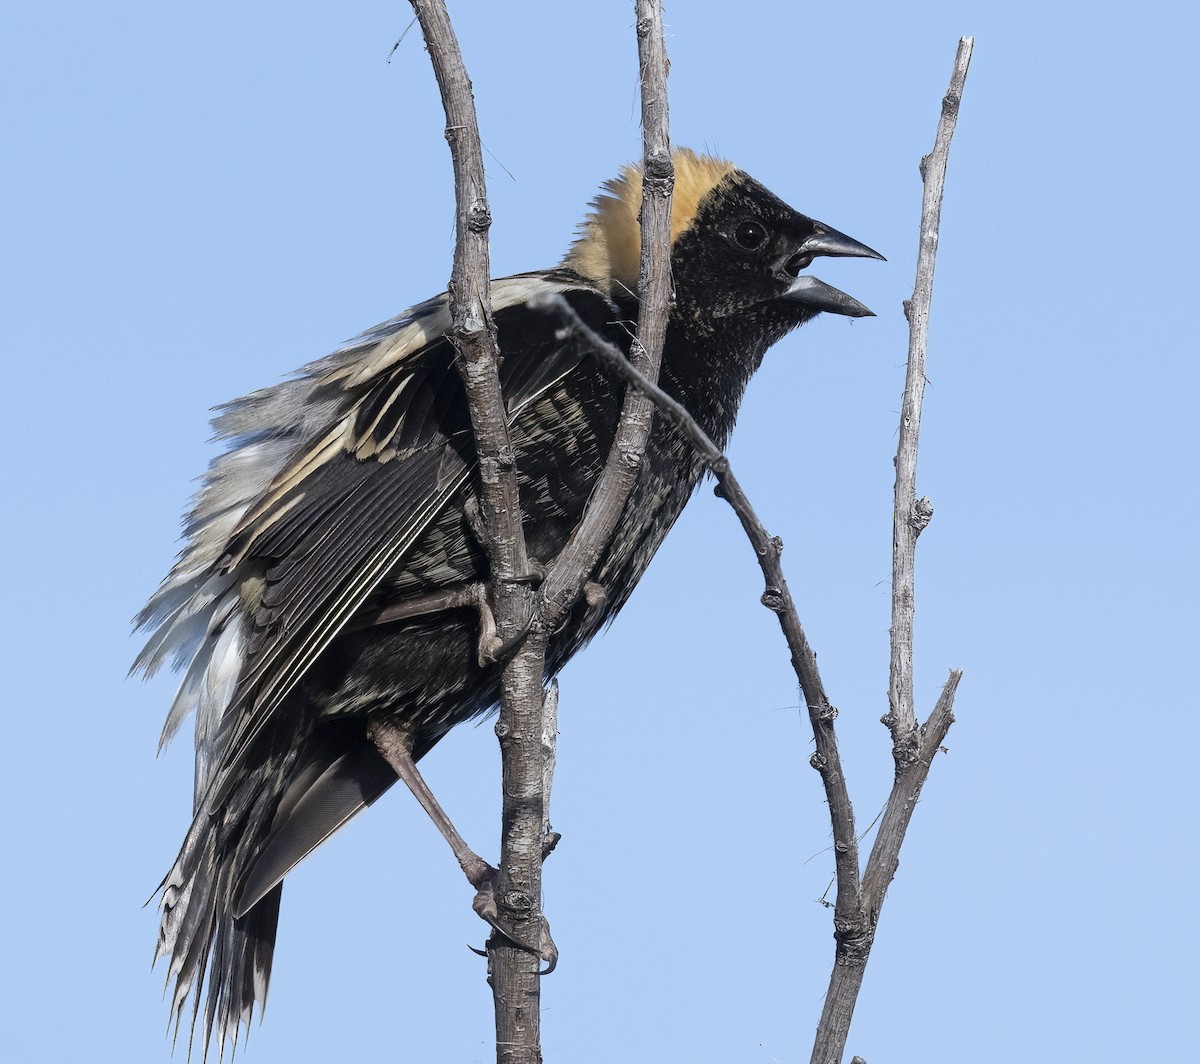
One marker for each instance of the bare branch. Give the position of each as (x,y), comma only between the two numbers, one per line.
(911,515)
(526,721)
(573,566)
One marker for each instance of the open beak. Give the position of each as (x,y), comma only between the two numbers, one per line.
(815,293)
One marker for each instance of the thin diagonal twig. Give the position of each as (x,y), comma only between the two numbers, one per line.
(776,596)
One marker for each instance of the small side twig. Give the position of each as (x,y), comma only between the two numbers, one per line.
(550,837)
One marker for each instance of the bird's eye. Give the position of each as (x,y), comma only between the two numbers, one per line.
(750,235)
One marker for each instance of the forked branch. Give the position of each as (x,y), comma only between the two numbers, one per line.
(524,708)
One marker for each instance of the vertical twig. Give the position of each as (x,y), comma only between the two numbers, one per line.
(472,330)
(913,749)
(656,294)
(515,978)
(912,515)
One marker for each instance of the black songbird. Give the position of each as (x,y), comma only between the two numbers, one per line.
(329,602)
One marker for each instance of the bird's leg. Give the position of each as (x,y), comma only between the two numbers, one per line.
(473,596)
(393,744)
(422,606)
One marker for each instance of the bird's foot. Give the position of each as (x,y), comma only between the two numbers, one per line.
(492,648)
(484,880)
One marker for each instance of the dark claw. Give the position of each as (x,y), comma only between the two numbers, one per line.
(533,577)
(503,651)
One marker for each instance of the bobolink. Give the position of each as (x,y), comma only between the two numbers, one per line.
(333,575)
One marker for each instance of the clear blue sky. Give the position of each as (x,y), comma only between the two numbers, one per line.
(199,198)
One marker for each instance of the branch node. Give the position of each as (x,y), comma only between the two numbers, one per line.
(922,514)
(819,761)
(659,168)
(905,749)
(773,599)
(479,218)
(518,902)
(854,937)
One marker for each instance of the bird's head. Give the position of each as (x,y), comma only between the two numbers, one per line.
(737,250)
